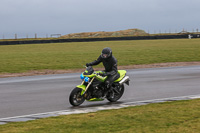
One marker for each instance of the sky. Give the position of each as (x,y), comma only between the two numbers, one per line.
(45,17)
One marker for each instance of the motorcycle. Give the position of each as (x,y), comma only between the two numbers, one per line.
(93,87)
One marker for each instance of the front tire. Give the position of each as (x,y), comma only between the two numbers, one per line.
(114,96)
(75,97)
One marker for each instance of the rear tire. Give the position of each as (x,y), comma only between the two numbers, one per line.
(75,98)
(113,96)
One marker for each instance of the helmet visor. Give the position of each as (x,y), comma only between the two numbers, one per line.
(104,55)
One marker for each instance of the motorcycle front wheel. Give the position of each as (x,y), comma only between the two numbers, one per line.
(75,97)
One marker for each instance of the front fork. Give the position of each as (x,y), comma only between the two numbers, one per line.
(85,88)
(88,85)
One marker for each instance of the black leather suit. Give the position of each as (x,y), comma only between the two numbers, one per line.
(111,71)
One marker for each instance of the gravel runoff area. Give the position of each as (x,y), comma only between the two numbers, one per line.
(46,72)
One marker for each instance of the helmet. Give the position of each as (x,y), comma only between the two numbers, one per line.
(106,53)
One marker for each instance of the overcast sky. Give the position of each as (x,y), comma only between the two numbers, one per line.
(72,16)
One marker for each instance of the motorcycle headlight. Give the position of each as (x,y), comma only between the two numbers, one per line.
(81,76)
(86,79)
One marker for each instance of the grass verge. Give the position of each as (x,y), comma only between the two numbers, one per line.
(56,56)
(176,117)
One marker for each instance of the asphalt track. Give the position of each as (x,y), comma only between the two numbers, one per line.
(38,94)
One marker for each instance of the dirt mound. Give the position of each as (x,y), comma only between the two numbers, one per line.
(129,32)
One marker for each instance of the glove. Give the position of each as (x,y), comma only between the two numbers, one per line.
(88,64)
(103,74)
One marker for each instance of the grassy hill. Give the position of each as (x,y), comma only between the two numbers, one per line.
(132,32)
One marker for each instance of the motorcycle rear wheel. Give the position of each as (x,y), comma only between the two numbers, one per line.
(75,97)
(113,97)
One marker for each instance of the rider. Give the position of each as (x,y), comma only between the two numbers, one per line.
(110,64)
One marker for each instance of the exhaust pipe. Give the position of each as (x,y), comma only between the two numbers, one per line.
(125,80)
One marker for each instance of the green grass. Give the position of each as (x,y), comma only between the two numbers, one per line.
(22,58)
(169,117)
